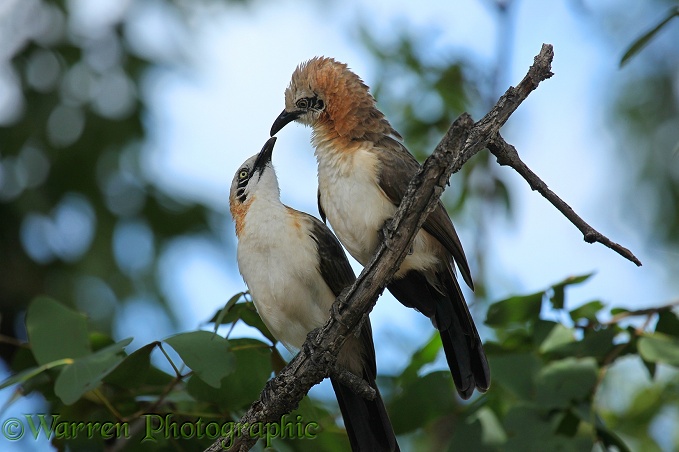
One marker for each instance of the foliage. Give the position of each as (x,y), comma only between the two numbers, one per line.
(547,376)
(644,39)
(643,113)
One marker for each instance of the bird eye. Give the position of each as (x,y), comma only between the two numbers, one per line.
(303,103)
(242,175)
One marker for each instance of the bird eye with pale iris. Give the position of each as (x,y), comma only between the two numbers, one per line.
(302,104)
(242,175)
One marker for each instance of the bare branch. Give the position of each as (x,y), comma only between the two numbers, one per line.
(507,155)
(464,139)
(641,312)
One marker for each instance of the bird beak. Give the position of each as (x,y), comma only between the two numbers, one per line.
(264,156)
(283,119)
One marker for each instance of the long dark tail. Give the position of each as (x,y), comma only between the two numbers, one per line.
(366,421)
(450,314)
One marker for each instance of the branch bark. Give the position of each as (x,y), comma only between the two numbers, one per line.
(464,139)
(507,155)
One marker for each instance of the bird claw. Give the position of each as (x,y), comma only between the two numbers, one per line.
(337,309)
(310,342)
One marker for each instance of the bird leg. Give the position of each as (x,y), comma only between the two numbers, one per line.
(386,231)
(339,305)
(309,346)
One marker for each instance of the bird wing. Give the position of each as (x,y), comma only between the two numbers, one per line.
(321,212)
(338,274)
(333,263)
(367,421)
(397,168)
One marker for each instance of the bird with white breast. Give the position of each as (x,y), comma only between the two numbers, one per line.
(294,268)
(363,172)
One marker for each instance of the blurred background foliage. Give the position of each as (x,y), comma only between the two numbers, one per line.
(82,222)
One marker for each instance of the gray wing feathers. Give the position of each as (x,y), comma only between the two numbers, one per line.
(397,168)
(333,263)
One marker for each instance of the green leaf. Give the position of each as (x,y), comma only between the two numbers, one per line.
(253,360)
(493,432)
(56,332)
(513,310)
(587,311)
(86,373)
(134,369)
(609,438)
(596,343)
(206,353)
(644,39)
(568,425)
(650,367)
(515,372)
(564,382)
(526,429)
(529,429)
(245,312)
(668,323)
(238,389)
(469,437)
(558,290)
(218,318)
(425,399)
(659,348)
(32,372)
(558,337)
(426,355)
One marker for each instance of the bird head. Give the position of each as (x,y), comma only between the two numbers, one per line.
(324,93)
(255,177)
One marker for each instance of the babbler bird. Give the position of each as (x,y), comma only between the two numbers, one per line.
(363,173)
(295,268)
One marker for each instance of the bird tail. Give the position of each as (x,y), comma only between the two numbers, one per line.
(450,314)
(461,342)
(366,421)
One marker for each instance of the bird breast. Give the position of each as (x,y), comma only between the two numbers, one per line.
(352,201)
(280,265)
(357,208)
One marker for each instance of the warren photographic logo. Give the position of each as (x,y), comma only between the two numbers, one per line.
(156,428)
(167,427)
(52,426)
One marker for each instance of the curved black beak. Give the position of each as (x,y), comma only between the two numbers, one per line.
(284,119)
(264,156)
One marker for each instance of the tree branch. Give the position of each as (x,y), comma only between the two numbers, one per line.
(464,139)
(641,312)
(507,155)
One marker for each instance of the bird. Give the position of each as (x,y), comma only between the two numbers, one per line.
(363,172)
(294,268)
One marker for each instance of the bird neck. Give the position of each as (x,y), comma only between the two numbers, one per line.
(260,217)
(346,122)
(265,197)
